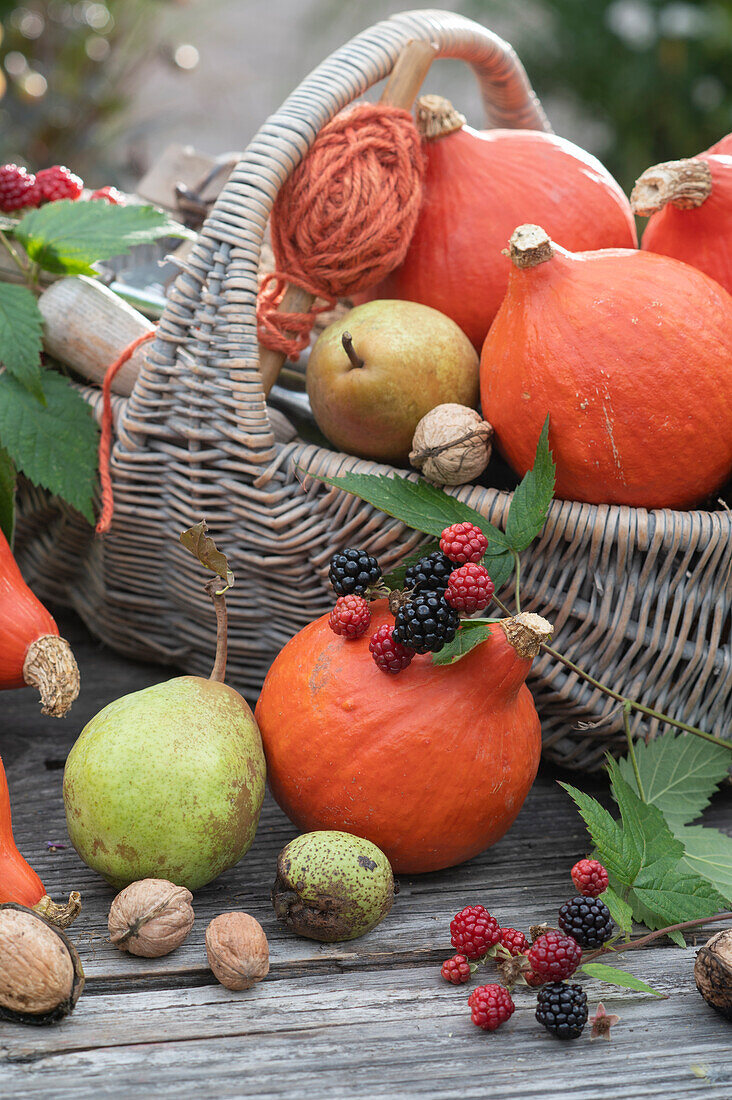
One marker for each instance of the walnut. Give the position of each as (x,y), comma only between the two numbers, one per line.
(237,949)
(451,445)
(41,976)
(713,972)
(151,917)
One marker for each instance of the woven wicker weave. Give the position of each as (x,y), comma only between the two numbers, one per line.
(642,599)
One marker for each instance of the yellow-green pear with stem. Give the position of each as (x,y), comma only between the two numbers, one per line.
(168,782)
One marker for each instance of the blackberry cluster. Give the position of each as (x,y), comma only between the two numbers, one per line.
(562,1009)
(353,571)
(587,920)
(429,574)
(426,623)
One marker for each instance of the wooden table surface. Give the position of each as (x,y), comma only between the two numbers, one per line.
(371,1018)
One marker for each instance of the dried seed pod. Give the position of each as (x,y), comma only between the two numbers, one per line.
(451,445)
(237,949)
(41,976)
(151,917)
(713,972)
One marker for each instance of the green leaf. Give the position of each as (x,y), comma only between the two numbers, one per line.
(7,495)
(652,840)
(68,237)
(55,446)
(531,499)
(611,843)
(622,978)
(468,637)
(620,911)
(708,853)
(419,504)
(395,579)
(679,774)
(21,336)
(669,894)
(500,567)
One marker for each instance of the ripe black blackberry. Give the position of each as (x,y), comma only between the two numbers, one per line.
(353,571)
(426,623)
(430,574)
(562,1009)
(587,920)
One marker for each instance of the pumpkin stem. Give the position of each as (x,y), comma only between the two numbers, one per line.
(50,667)
(527,633)
(437,117)
(530,245)
(347,341)
(685,184)
(60,915)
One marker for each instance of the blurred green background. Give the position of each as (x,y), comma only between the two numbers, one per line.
(104,85)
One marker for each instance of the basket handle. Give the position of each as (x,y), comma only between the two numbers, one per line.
(208,328)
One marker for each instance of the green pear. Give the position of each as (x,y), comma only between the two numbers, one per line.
(373,375)
(168,782)
(332,886)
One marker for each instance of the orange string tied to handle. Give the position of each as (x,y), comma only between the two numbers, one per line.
(344,218)
(105,440)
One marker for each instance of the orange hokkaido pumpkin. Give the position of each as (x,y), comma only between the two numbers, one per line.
(432,764)
(689,206)
(478,187)
(631,355)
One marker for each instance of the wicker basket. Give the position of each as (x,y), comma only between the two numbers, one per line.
(642,599)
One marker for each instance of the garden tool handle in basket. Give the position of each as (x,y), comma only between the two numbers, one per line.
(401,90)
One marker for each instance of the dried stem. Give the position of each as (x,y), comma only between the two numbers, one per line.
(218,672)
(656,935)
(347,341)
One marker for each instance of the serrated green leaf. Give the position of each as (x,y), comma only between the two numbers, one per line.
(419,504)
(667,894)
(55,446)
(708,853)
(21,336)
(610,841)
(531,499)
(500,567)
(622,978)
(620,911)
(7,495)
(652,840)
(68,237)
(395,579)
(679,773)
(468,637)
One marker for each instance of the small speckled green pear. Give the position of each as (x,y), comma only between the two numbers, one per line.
(332,886)
(168,782)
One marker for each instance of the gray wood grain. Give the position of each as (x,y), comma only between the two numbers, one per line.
(370,1018)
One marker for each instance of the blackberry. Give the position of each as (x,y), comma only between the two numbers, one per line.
(587,920)
(426,623)
(562,1009)
(429,574)
(353,571)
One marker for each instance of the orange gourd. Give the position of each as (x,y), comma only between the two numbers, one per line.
(31,651)
(19,883)
(689,207)
(478,187)
(431,765)
(631,355)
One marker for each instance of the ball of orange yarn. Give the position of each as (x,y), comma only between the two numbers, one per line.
(345,217)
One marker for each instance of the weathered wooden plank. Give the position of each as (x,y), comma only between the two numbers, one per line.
(395,1032)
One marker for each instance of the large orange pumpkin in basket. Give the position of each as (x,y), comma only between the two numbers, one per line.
(630,354)
(478,187)
(432,764)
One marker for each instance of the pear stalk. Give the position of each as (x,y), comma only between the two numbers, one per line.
(218,671)
(347,341)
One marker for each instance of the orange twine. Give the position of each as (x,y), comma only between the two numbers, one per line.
(105,441)
(344,218)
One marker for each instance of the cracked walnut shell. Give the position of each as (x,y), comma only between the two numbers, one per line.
(151,917)
(41,977)
(237,949)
